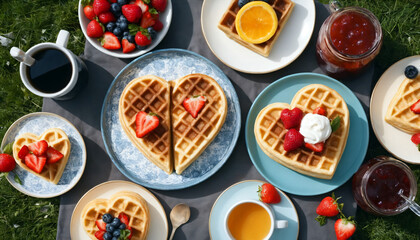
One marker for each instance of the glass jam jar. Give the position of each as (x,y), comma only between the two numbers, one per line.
(349,39)
(377,184)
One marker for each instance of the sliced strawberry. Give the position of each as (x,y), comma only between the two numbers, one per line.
(194,105)
(291,118)
(147,20)
(110,41)
(293,140)
(100,235)
(145,123)
(107,17)
(317,147)
(127,46)
(416,107)
(53,155)
(158,25)
(320,111)
(23,152)
(143,38)
(101,224)
(35,163)
(144,7)
(38,148)
(344,228)
(89,13)
(94,29)
(124,219)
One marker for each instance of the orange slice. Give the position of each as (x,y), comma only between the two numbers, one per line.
(256,22)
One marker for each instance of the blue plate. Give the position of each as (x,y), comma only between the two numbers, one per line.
(32,185)
(247,190)
(283,90)
(169,64)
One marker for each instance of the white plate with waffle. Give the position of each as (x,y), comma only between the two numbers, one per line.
(395,141)
(158,226)
(37,124)
(291,42)
(284,90)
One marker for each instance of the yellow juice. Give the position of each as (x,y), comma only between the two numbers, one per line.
(249,221)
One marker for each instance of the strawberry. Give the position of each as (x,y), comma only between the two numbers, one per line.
(132,12)
(291,118)
(7,163)
(416,140)
(35,163)
(94,29)
(89,13)
(344,228)
(127,46)
(158,25)
(293,140)
(124,219)
(99,235)
(38,148)
(142,38)
(144,7)
(159,5)
(145,123)
(110,41)
(101,225)
(53,155)
(147,20)
(320,111)
(416,107)
(194,104)
(317,147)
(107,17)
(268,193)
(329,207)
(101,6)
(23,151)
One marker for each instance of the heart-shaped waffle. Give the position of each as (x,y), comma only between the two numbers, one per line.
(270,132)
(399,114)
(57,139)
(179,138)
(127,202)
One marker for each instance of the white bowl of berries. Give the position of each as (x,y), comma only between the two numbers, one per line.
(125,28)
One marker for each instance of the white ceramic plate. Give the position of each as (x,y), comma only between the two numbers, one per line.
(292,40)
(395,141)
(158,223)
(164,17)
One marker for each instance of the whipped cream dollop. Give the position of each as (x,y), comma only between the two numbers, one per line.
(315,128)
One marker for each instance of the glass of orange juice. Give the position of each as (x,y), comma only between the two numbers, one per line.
(251,220)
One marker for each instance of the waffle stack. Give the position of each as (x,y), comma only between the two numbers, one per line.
(192,135)
(283,9)
(269,132)
(150,94)
(129,203)
(399,114)
(57,139)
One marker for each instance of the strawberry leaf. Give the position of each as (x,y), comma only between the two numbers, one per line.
(124,234)
(87,2)
(335,123)
(146,1)
(418,146)
(153,11)
(17,179)
(321,219)
(8,148)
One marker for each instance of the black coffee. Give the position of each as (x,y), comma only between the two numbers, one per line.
(51,71)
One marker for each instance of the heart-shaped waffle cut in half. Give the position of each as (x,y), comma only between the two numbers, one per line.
(399,114)
(57,139)
(270,132)
(127,202)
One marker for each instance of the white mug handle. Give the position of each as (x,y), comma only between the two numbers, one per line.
(63,38)
(281,224)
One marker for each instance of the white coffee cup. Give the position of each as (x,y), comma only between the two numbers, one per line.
(79,69)
(274,223)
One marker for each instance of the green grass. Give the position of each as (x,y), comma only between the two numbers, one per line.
(35,21)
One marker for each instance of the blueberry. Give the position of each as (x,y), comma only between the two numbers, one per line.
(131,39)
(116,222)
(107,236)
(122,226)
(110,228)
(122,2)
(110,28)
(123,26)
(152,32)
(117,31)
(115,8)
(123,19)
(114,238)
(125,34)
(241,3)
(116,233)
(141,47)
(411,72)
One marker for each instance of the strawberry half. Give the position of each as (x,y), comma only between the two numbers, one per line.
(101,225)
(416,107)
(144,7)
(53,155)
(38,148)
(110,41)
(344,228)
(268,193)
(124,219)
(127,46)
(100,234)
(291,118)
(194,104)
(293,140)
(147,20)
(23,152)
(35,163)
(317,147)
(320,111)
(145,123)
(416,140)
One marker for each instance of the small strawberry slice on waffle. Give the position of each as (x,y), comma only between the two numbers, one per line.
(38,148)
(317,147)
(145,123)
(416,107)
(194,104)
(35,163)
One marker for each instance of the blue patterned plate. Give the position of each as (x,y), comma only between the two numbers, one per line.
(32,185)
(169,64)
(283,90)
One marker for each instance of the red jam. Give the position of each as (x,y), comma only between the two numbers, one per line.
(352,33)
